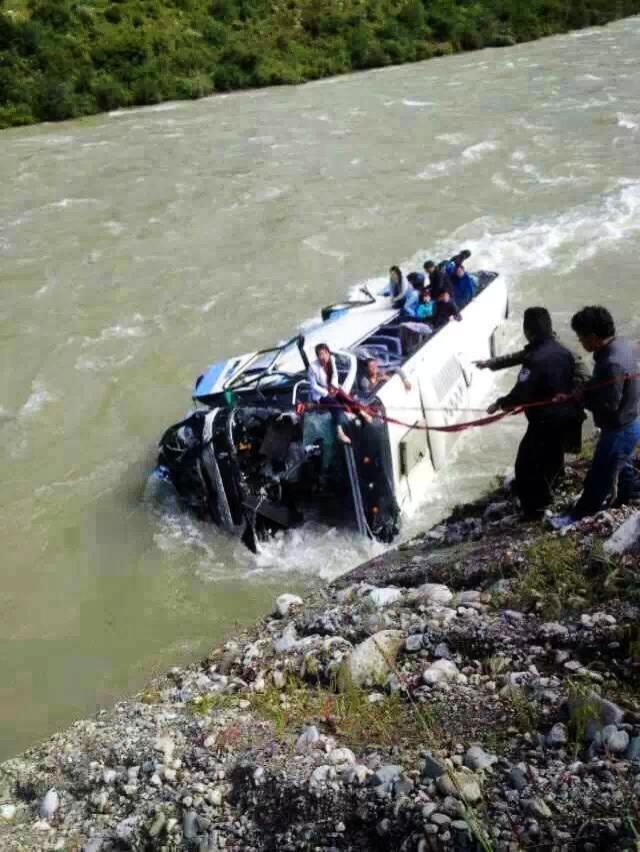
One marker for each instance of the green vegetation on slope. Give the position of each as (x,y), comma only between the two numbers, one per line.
(61,59)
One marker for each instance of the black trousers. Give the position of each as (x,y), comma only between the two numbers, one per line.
(539,464)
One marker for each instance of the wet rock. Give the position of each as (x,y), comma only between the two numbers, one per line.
(285,602)
(373,658)
(357,774)
(440,819)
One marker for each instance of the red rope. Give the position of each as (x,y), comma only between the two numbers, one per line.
(467,424)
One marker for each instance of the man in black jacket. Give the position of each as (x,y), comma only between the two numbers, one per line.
(613,396)
(547,371)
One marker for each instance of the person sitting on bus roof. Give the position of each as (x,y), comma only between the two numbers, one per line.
(446,309)
(325,390)
(410,300)
(396,286)
(464,287)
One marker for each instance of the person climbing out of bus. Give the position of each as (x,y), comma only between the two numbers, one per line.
(396,286)
(464,287)
(613,396)
(325,390)
(445,310)
(374,376)
(547,373)
(429,267)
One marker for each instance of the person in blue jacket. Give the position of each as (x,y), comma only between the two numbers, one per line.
(410,300)
(464,287)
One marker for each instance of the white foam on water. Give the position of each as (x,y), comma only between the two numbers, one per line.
(453,138)
(408,102)
(479,150)
(97,365)
(317,243)
(39,397)
(437,169)
(629,122)
(114,228)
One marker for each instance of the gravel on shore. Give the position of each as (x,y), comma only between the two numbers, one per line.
(476,688)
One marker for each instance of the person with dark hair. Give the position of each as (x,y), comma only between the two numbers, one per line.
(410,300)
(445,310)
(374,376)
(547,371)
(323,378)
(464,287)
(613,397)
(429,267)
(395,288)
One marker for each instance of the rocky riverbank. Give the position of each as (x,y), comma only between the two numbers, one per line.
(476,688)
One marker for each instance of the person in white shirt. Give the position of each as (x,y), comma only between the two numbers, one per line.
(325,390)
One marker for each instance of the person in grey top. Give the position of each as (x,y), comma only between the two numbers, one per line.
(613,397)
(374,376)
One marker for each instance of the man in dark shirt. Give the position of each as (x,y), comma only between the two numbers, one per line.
(613,396)
(445,310)
(547,370)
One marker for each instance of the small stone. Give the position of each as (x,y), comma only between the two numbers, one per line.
(340,756)
(279,679)
(285,602)
(381,598)
(109,776)
(357,774)
(517,779)
(413,643)
(442,651)
(434,593)
(189,827)
(387,774)
(440,819)
(633,751)
(460,825)
(166,746)
(321,775)
(433,768)
(461,785)
(214,797)
(288,641)
(155,780)
(49,804)
(307,739)
(126,829)
(442,671)
(158,825)
(537,808)
(615,741)
(477,758)
(41,825)
(169,774)
(557,736)
(7,812)
(373,658)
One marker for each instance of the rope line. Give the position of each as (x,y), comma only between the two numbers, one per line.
(467,424)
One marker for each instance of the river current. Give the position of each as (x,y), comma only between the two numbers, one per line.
(139,246)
